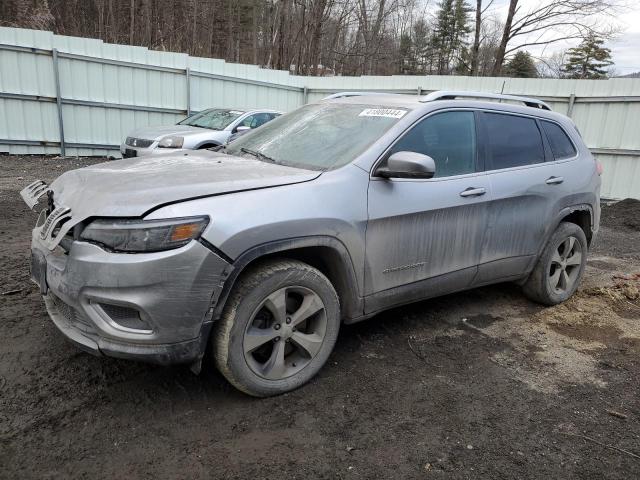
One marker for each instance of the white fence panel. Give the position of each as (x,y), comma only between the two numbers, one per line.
(107,90)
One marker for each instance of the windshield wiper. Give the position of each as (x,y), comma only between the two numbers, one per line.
(258,155)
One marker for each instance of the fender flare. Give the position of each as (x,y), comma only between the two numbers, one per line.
(558,218)
(351,308)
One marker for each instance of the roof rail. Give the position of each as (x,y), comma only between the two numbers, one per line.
(445,95)
(355,94)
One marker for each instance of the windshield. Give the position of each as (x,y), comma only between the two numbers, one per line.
(214,118)
(320,136)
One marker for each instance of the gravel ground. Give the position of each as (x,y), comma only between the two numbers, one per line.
(482,384)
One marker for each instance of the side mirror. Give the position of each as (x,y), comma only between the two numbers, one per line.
(242,128)
(408,165)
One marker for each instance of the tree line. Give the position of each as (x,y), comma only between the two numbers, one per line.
(341,37)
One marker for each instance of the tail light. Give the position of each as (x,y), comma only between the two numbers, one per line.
(599,168)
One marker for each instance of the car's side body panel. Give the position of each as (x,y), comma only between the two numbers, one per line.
(423,229)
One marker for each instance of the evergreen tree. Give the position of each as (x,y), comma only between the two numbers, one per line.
(589,59)
(422,47)
(521,65)
(452,25)
(406,54)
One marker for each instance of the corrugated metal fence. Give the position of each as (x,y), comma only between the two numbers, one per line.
(81,96)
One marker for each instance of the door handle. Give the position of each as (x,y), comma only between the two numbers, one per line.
(554,180)
(473,192)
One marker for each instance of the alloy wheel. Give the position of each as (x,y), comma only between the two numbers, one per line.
(565,266)
(285,332)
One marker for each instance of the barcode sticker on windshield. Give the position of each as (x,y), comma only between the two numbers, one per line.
(382,112)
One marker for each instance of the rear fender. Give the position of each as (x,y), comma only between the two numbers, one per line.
(562,214)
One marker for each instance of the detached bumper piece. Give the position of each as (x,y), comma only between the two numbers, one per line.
(31,193)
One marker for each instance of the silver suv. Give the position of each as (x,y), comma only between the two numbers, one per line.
(329,214)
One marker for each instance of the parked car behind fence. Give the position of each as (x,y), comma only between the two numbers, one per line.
(205,129)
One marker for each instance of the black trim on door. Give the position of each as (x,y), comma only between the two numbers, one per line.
(482,146)
(548,154)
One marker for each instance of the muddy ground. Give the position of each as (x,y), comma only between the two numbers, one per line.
(514,391)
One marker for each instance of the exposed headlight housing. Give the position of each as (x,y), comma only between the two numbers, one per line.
(144,235)
(171,141)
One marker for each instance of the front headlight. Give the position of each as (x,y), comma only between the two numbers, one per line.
(171,141)
(144,235)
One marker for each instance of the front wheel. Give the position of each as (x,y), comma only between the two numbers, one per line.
(278,328)
(559,270)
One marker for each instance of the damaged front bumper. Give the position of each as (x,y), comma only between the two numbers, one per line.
(153,307)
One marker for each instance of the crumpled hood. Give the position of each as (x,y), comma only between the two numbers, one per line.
(129,188)
(153,133)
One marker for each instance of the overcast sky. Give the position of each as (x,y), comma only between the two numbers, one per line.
(625,48)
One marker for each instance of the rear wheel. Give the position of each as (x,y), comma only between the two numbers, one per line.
(278,328)
(559,270)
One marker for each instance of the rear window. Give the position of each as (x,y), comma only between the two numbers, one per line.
(513,141)
(561,146)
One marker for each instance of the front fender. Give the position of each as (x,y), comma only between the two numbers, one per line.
(352,304)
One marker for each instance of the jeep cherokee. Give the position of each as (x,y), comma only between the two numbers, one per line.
(329,214)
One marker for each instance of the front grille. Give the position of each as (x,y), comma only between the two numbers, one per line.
(67,311)
(71,315)
(129,153)
(138,142)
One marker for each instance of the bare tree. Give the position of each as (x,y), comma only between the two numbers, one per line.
(477,36)
(551,22)
(551,66)
(319,37)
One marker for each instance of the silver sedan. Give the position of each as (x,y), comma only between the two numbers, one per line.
(205,129)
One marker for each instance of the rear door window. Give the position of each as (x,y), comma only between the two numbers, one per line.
(512,141)
(449,138)
(561,146)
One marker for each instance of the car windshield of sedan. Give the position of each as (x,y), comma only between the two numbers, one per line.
(214,118)
(318,137)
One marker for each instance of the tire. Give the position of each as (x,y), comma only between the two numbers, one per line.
(265,345)
(561,263)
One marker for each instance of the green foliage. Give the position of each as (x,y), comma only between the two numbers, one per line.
(406,54)
(588,60)
(450,31)
(521,65)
